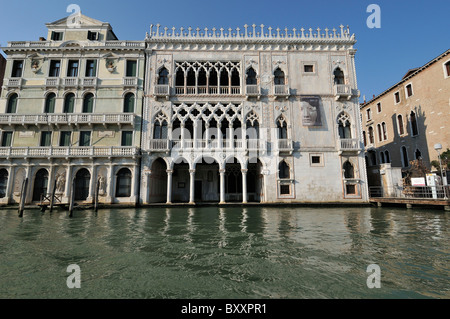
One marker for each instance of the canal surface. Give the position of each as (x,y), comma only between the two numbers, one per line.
(231,252)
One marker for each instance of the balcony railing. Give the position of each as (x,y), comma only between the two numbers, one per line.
(130,81)
(342,91)
(204,90)
(162,90)
(199,144)
(52,82)
(67,118)
(67,151)
(14,83)
(281,90)
(70,82)
(253,90)
(349,144)
(89,82)
(285,145)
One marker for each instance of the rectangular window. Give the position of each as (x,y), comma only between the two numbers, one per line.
(46,139)
(285,189)
(131,68)
(17,69)
(351,189)
(85,138)
(93,36)
(397,97)
(127,138)
(379,107)
(409,91)
(57,36)
(72,69)
(65,138)
(316,159)
(447,68)
(369,114)
(55,66)
(308,68)
(6,139)
(91,68)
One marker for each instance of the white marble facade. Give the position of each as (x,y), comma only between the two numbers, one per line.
(292,92)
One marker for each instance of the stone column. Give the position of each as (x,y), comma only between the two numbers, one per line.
(134,186)
(244,185)
(68,183)
(110,187)
(169,185)
(11,176)
(192,186)
(146,186)
(29,190)
(222,186)
(92,183)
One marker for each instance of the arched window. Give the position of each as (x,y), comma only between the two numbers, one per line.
(384,129)
(348,170)
(401,130)
(69,103)
(123,184)
(235,78)
(12,104)
(50,103)
(160,128)
(3,182)
(387,157)
(128,103)
(283,170)
(251,77)
(278,77)
(88,103)
(163,76)
(201,81)
(40,184)
(179,78)
(382,159)
(224,77)
(191,77)
(344,126)
(282,128)
(339,76)
(252,126)
(364,138)
(414,129)
(418,154)
(404,154)
(371,139)
(380,137)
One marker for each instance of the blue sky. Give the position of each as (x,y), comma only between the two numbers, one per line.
(412,32)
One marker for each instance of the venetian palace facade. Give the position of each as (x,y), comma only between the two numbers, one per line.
(186,116)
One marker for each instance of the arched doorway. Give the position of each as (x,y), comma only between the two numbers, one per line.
(3,182)
(123,183)
(40,184)
(233,181)
(158,182)
(82,181)
(207,180)
(254,181)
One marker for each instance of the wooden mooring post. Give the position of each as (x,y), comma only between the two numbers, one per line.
(52,199)
(97,188)
(22,197)
(71,198)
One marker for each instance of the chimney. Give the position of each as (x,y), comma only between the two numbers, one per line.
(42,39)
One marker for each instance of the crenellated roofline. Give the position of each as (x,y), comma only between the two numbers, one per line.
(253,33)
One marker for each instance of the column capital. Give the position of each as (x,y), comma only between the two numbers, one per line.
(191,171)
(169,171)
(222,171)
(244,170)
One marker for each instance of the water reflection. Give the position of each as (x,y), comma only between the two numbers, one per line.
(241,252)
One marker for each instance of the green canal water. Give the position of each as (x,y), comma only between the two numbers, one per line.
(233,252)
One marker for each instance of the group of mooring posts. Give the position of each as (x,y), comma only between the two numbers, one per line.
(53,196)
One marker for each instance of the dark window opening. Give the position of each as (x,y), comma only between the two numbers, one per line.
(339,76)
(17,69)
(414,128)
(69,103)
(57,36)
(283,170)
(279,77)
(163,76)
(50,103)
(12,104)
(309,68)
(72,70)
(55,66)
(285,189)
(131,68)
(91,68)
(251,77)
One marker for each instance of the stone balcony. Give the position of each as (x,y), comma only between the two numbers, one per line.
(75,119)
(349,145)
(130,82)
(285,146)
(165,145)
(253,90)
(281,91)
(162,90)
(207,90)
(69,152)
(14,83)
(343,91)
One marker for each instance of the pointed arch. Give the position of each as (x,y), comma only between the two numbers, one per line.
(163,76)
(279,77)
(339,77)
